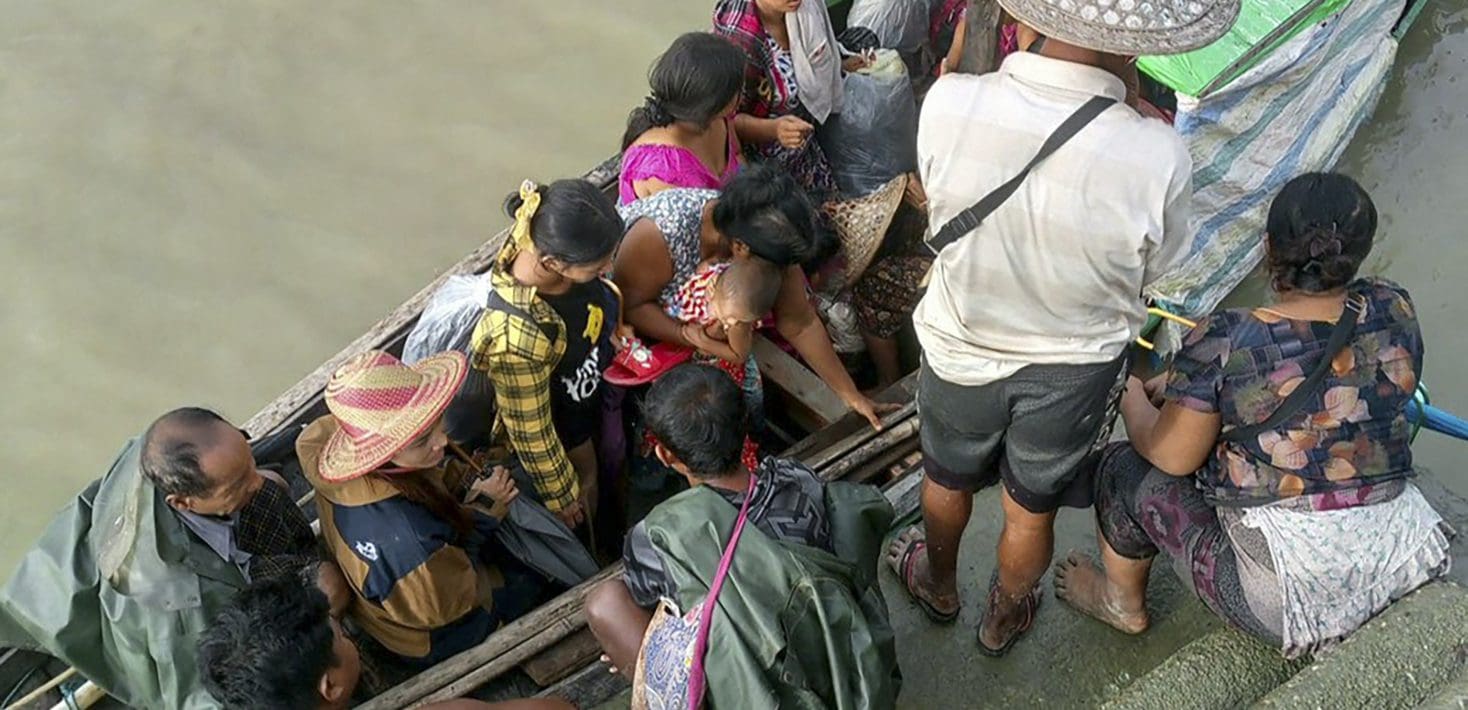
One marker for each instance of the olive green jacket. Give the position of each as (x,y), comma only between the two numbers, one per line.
(796,626)
(119,588)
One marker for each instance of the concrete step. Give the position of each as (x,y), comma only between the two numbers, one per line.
(1396,660)
(1224,669)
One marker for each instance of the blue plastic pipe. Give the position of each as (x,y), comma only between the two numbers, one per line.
(1438,420)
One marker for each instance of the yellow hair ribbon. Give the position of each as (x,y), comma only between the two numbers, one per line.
(529,203)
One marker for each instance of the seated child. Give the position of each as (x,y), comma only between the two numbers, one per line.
(724,302)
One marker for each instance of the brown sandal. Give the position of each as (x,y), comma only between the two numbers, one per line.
(1030,603)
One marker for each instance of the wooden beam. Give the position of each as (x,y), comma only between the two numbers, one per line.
(518,640)
(795,379)
(980,38)
(890,437)
(587,687)
(562,659)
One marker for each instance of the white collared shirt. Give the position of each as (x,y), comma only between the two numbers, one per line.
(1055,275)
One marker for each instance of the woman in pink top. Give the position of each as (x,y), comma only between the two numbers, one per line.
(683,134)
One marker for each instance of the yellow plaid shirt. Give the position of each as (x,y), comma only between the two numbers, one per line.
(521,360)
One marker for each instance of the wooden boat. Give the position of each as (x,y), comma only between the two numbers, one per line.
(551,642)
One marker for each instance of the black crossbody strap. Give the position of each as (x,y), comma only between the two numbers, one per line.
(1340,338)
(970,218)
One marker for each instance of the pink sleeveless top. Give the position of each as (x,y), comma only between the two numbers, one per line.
(674,165)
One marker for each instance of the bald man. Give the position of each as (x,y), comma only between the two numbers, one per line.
(127,576)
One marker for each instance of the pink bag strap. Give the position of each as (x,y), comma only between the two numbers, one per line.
(696,676)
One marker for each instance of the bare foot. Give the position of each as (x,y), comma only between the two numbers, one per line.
(942,602)
(1082,584)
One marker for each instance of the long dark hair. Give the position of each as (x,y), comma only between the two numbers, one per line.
(417,487)
(692,82)
(576,223)
(764,208)
(1320,228)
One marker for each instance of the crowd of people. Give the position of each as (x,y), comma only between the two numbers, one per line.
(608,354)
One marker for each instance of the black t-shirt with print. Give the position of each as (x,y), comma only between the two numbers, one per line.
(590,313)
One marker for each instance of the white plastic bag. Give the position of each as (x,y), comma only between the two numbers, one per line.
(449,318)
(874,138)
(899,24)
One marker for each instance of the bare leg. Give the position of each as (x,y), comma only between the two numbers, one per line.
(885,359)
(935,571)
(1025,548)
(583,459)
(1115,593)
(618,624)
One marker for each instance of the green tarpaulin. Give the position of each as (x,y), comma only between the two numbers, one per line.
(1262,26)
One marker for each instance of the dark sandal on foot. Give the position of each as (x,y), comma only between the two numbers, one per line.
(904,573)
(1030,603)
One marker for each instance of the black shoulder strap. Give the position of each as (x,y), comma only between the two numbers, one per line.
(1340,337)
(496,302)
(970,218)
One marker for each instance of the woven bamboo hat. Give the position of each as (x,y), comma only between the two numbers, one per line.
(862,223)
(382,405)
(1128,27)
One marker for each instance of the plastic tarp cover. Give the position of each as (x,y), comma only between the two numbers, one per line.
(1292,113)
(1261,24)
(874,138)
(901,25)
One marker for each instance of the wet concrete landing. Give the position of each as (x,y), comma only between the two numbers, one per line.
(1067,660)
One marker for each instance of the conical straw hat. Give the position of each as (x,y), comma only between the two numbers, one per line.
(862,223)
(382,405)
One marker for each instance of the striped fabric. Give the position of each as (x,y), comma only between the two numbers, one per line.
(1294,112)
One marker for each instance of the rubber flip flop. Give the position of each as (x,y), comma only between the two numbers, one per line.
(1031,603)
(904,572)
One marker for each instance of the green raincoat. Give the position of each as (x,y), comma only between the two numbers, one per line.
(118,588)
(796,627)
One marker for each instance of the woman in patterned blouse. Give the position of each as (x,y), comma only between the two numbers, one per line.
(1302,531)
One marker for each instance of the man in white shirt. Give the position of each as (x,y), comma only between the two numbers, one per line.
(1027,318)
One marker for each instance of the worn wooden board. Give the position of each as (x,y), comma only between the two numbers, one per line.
(560,660)
(783,371)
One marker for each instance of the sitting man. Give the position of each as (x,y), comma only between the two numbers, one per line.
(277,647)
(805,564)
(126,576)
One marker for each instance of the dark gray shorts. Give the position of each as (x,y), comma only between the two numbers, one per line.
(1038,430)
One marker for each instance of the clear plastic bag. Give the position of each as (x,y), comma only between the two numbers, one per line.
(449,318)
(447,324)
(874,138)
(899,24)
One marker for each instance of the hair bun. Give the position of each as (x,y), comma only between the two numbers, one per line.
(656,112)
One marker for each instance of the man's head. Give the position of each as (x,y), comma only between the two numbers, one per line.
(200,462)
(276,646)
(698,415)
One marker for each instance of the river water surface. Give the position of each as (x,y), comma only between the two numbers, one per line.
(200,202)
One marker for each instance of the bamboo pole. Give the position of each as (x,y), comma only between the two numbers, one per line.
(46,687)
(85,696)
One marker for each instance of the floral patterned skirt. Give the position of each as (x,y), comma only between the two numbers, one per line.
(1142,510)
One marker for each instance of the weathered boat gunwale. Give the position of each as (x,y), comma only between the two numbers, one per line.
(304,400)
